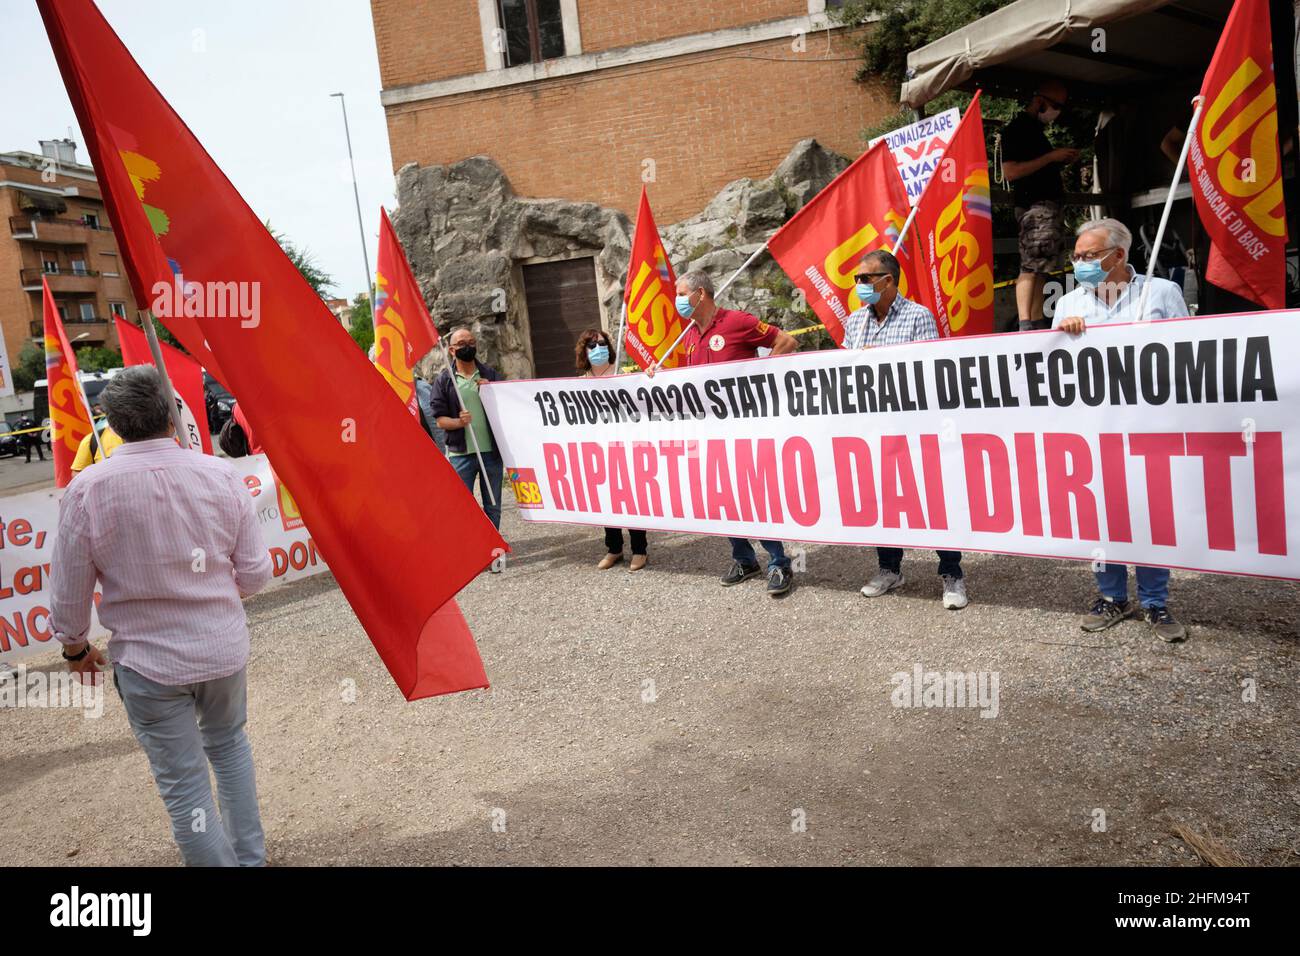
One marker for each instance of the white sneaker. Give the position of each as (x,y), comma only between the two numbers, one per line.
(883,583)
(954,593)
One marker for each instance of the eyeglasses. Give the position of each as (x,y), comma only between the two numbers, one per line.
(1094,256)
(869,276)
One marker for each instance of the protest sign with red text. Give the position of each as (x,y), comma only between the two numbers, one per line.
(1172,443)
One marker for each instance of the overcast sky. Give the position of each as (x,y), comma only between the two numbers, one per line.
(252,79)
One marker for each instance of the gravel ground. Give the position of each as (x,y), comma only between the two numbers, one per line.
(657,718)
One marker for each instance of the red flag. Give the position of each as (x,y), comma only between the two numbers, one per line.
(186,376)
(1237,164)
(863,209)
(362,470)
(954,226)
(69,417)
(653,324)
(403,330)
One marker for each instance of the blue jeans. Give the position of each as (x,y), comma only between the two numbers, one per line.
(743,551)
(1153,584)
(891,559)
(467,467)
(182,729)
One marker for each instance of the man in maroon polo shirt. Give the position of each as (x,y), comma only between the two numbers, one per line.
(721,335)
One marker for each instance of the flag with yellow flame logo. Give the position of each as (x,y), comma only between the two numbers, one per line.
(863,209)
(404,332)
(216,277)
(954,224)
(69,418)
(1236,165)
(652,320)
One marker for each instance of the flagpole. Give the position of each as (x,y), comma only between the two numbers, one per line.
(906,226)
(90,416)
(460,400)
(716,296)
(618,342)
(1169,205)
(168,393)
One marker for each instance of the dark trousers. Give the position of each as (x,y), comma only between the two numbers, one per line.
(743,551)
(891,559)
(40,451)
(614,540)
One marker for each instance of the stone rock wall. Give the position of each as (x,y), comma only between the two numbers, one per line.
(466,234)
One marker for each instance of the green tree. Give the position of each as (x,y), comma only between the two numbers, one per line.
(98,359)
(30,366)
(907,25)
(362,327)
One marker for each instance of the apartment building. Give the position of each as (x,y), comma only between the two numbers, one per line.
(53,226)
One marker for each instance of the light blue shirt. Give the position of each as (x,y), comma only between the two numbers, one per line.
(1164,301)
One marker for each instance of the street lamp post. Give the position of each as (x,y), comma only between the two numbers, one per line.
(356,194)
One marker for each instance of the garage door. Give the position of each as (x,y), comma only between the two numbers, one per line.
(562,302)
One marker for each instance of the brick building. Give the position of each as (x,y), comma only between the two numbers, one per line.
(575,104)
(54,226)
(579,99)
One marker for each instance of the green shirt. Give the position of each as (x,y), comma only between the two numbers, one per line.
(468,388)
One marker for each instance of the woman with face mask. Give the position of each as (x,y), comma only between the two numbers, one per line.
(594,358)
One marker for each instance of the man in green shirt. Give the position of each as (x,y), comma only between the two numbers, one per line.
(465,422)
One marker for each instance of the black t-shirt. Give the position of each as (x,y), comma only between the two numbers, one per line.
(1023,139)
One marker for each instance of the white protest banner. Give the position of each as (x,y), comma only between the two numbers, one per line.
(1174,444)
(918,147)
(27,530)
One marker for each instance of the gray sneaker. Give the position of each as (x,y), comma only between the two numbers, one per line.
(1105,613)
(883,583)
(954,593)
(1163,623)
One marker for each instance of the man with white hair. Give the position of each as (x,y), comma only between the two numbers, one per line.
(1109,292)
(1109,289)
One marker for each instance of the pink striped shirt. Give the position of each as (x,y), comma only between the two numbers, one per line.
(172,538)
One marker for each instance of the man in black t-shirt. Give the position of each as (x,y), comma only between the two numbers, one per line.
(1033,168)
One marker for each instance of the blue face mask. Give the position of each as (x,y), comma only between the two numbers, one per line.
(684,307)
(599,355)
(867,293)
(1090,273)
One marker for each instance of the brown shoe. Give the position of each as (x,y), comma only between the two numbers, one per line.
(638,562)
(609,560)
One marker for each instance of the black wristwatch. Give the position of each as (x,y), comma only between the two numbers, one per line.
(76,657)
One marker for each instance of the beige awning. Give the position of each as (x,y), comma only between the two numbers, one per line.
(1141,41)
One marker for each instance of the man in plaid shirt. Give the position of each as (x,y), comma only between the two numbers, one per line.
(888,318)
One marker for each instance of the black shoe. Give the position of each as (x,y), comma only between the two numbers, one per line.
(739,572)
(779,580)
(1163,623)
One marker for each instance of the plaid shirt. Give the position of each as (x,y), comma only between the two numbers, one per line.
(906,321)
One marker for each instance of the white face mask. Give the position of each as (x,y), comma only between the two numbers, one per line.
(1049,115)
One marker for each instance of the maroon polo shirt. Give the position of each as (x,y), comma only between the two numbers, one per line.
(730,335)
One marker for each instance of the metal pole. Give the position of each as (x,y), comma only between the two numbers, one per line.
(906,226)
(90,417)
(618,342)
(1169,205)
(473,442)
(170,395)
(356,194)
(716,296)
